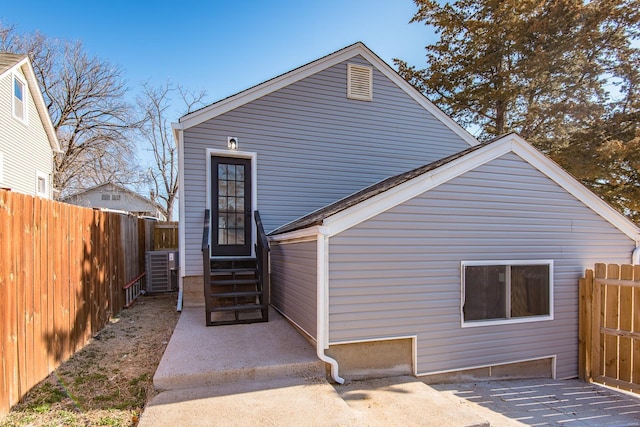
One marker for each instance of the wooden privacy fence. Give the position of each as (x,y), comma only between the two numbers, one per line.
(62,272)
(609,328)
(165,235)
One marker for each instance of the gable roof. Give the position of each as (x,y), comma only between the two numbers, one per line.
(10,62)
(225,105)
(395,190)
(117,187)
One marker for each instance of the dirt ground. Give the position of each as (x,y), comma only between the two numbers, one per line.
(110,380)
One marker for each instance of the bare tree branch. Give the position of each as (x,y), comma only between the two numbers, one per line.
(86,101)
(154,104)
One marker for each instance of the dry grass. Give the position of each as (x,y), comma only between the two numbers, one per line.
(109,381)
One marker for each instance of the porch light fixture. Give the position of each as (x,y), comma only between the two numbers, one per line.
(232,142)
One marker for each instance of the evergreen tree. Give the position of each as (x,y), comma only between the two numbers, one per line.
(564,74)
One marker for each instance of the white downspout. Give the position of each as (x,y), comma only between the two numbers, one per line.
(635,255)
(322,303)
(178,136)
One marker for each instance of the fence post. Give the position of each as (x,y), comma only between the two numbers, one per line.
(600,272)
(585,317)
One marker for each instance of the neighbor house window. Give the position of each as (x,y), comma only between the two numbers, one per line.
(106,197)
(19,99)
(41,185)
(511,291)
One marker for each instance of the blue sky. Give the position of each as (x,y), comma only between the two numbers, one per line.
(222,46)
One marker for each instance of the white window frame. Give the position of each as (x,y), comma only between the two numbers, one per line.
(527,319)
(25,100)
(43,176)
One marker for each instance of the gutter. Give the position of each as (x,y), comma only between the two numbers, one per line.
(322,301)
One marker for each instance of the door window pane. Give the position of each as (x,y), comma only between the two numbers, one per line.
(223,171)
(231,204)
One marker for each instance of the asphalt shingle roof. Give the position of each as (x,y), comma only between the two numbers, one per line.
(318,216)
(8,60)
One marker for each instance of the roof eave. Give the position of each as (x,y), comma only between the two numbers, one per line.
(341,220)
(43,111)
(270,86)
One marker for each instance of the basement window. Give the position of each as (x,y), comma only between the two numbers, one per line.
(506,292)
(359,82)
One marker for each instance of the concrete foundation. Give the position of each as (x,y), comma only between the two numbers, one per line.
(389,358)
(377,359)
(192,291)
(542,368)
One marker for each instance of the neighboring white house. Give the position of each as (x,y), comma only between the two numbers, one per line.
(115,197)
(27,136)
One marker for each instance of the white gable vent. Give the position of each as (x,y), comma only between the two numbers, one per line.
(359,82)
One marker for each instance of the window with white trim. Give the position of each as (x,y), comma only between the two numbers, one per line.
(507,291)
(42,184)
(19,98)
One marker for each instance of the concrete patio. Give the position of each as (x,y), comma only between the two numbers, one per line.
(201,356)
(267,374)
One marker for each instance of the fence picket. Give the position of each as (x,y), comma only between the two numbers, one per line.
(635,371)
(625,344)
(611,315)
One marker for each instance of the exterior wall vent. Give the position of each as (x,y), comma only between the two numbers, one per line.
(359,82)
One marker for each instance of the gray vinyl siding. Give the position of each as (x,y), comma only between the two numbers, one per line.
(25,148)
(314,146)
(398,273)
(293,283)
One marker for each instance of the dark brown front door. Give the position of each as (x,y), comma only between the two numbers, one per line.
(231,206)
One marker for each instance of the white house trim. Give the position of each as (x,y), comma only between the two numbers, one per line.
(369,208)
(270,86)
(179,138)
(23,116)
(306,234)
(511,143)
(254,181)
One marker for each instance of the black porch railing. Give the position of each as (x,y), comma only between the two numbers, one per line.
(236,290)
